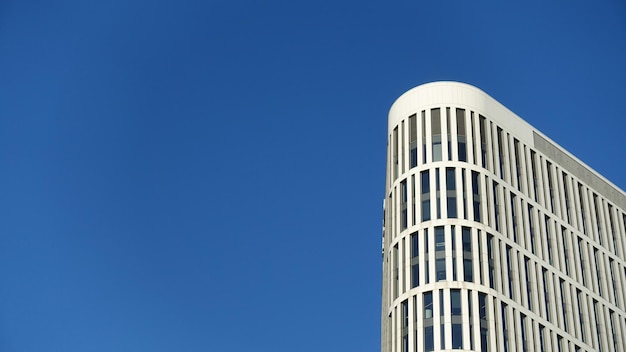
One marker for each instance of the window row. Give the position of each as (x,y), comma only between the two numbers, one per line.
(443,319)
(452,134)
(437,134)
(441,254)
(461,253)
(475,139)
(474,320)
(434,194)
(502,209)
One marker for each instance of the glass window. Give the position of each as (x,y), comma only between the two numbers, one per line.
(566,194)
(612,282)
(531,228)
(457,335)
(423,136)
(490,256)
(454,253)
(484,324)
(546,290)
(513,217)
(581,256)
(448,133)
(464,191)
(580,297)
(523,328)
(598,214)
(529,292)
(565,255)
(563,305)
(517,164)
(467,254)
(483,141)
(405,314)
(548,239)
(403,205)
(482,306)
(612,228)
(413,199)
(426,257)
(613,323)
(509,271)
(451,192)
(429,339)
(438,193)
(476,195)
(413,140)
(405,325)
(394,155)
(415,278)
(440,248)
(479,271)
(598,269)
(534,174)
(460,133)
(414,245)
(500,153)
(435,115)
(505,330)
(425,195)
(473,138)
(440,239)
(550,186)
(415,275)
(441,269)
(471,319)
(402,276)
(581,194)
(428,305)
(455,301)
(441,319)
(467,239)
(496,208)
(396,274)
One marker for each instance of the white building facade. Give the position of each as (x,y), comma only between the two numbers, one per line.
(494,237)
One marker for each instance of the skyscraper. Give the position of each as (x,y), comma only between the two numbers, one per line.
(494,237)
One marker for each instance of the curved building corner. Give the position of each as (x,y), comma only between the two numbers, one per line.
(494,237)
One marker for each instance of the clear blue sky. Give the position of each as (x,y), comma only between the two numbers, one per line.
(208,175)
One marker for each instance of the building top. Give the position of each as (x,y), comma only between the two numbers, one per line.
(462,95)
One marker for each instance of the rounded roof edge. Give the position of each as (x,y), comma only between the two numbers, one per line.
(461,95)
(439,83)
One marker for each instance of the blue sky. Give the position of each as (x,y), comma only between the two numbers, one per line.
(208,175)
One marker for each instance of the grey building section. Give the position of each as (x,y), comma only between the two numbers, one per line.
(579,170)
